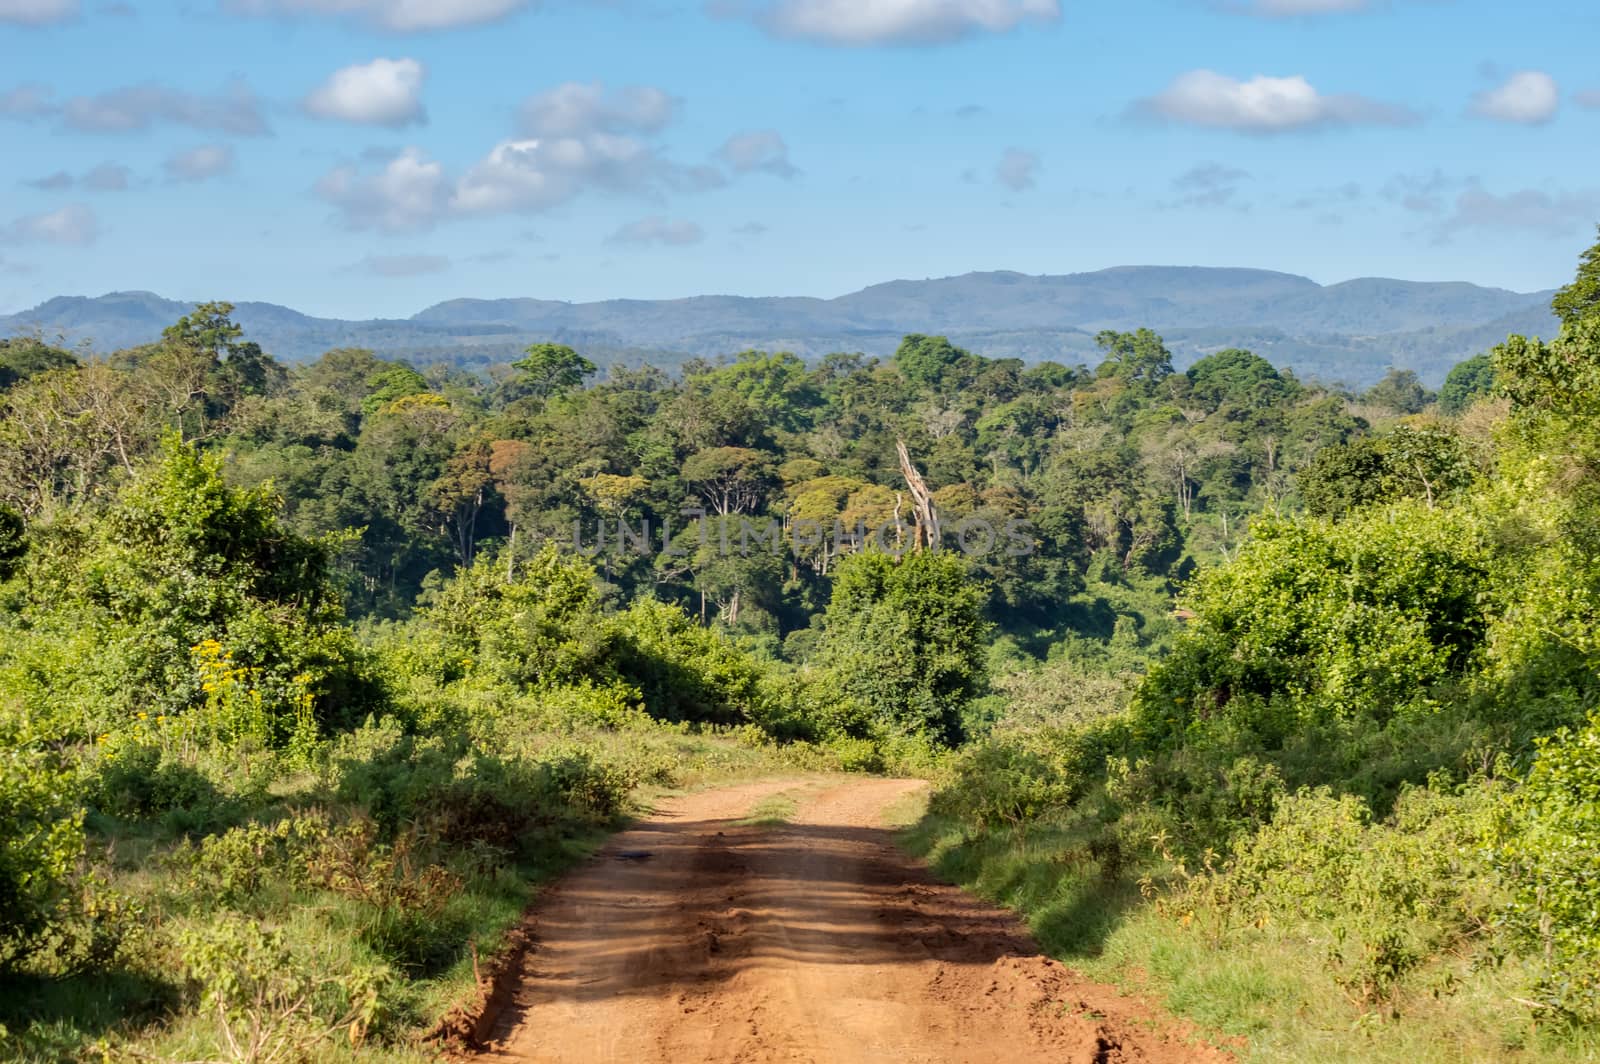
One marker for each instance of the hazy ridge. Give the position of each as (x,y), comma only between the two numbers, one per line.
(1348,331)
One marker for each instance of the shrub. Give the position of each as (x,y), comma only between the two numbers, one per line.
(265,1003)
(1552,855)
(140,780)
(41,839)
(1018,778)
(1392,893)
(684,670)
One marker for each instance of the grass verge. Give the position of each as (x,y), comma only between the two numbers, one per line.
(1273,985)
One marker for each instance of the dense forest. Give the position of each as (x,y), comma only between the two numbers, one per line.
(1279,694)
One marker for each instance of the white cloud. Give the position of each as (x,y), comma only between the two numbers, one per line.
(399,16)
(576,139)
(138,107)
(384,92)
(37,12)
(1556,214)
(1589,98)
(1016,169)
(200,164)
(1528,97)
(574,109)
(539,172)
(760,149)
(402,265)
(870,22)
(75,225)
(410,192)
(658,231)
(1265,104)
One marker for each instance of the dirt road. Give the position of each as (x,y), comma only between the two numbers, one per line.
(694,937)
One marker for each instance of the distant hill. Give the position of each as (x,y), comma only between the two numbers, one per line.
(1350,331)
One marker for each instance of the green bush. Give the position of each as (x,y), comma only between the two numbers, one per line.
(1013,780)
(1315,621)
(41,840)
(1392,893)
(1552,856)
(141,780)
(685,671)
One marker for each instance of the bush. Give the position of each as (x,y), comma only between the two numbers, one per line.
(41,839)
(687,672)
(265,1003)
(1392,893)
(1552,855)
(1020,777)
(140,780)
(1315,622)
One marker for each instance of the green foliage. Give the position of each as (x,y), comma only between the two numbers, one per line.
(1388,895)
(1552,854)
(264,1003)
(687,672)
(25,357)
(1359,620)
(1467,382)
(550,369)
(1581,298)
(1015,780)
(41,838)
(1238,379)
(1419,463)
(1139,356)
(905,638)
(1399,392)
(540,629)
(185,582)
(934,363)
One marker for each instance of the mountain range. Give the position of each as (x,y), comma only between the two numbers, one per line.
(1349,332)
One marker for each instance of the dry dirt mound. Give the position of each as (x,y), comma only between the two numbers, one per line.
(693,937)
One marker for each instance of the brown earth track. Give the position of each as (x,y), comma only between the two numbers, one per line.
(813,940)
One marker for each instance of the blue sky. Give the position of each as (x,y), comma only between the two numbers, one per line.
(364,158)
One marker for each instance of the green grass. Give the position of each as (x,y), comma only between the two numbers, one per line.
(141,1007)
(1270,986)
(773,810)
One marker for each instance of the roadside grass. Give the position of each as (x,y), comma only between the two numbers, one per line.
(362,914)
(1272,986)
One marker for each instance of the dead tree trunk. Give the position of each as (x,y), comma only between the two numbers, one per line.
(928,534)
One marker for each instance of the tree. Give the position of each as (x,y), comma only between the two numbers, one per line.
(934,363)
(25,357)
(1399,391)
(1236,378)
(905,639)
(1140,357)
(1582,296)
(551,369)
(1467,382)
(731,480)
